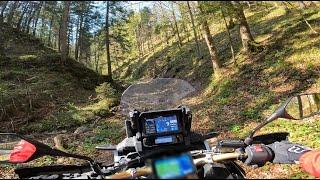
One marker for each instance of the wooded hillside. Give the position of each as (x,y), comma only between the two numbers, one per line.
(64,65)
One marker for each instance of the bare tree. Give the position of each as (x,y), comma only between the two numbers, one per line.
(302,5)
(229,36)
(12,10)
(108,42)
(4,6)
(287,9)
(50,28)
(305,20)
(194,30)
(76,50)
(25,9)
(216,64)
(32,14)
(176,25)
(245,33)
(37,18)
(64,31)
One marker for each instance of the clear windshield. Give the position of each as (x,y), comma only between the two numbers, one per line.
(156,94)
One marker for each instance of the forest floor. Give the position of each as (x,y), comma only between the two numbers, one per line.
(41,99)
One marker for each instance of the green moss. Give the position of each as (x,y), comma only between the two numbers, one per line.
(105,90)
(235,128)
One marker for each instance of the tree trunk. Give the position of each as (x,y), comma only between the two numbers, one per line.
(302,5)
(11,12)
(283,3)
(59,39)
(186,31)
(216,64)
(55,42)
(200,34)
(69,37)
(229,36)
(64,32)
(33,12)
(177,28)
(4,6)
(148,45)
(25,9)
(305,20)
(79,51)
(150,40)
(96,44)
(50,30)
(76,50)
(194,31)
(184,28)
(167,36)
(36,20)
(245,33)
(2,50)
(108,43)
(137,41)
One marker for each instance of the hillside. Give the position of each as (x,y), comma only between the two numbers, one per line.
(242,96)
(42,98)
(37,93)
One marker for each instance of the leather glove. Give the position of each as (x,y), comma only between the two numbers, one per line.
(286,152)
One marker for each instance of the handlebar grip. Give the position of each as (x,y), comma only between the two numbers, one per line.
(227,156)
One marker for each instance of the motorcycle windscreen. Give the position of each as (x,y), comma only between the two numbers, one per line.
(156,94)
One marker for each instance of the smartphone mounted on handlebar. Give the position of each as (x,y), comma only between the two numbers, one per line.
(179,166)
(159,129)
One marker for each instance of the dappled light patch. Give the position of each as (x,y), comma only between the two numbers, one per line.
(283,88)
(27,57)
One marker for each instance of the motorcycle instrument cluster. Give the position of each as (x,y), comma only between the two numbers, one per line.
(161,128)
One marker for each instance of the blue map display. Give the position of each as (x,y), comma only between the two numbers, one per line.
(166,124)
(174,167)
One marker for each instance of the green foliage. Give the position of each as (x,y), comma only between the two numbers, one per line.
(108,133)
(235,128)
(105,90)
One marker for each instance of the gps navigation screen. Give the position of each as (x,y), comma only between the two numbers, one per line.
(174,167)
(162,124)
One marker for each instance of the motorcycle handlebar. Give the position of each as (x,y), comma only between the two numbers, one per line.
(145,171)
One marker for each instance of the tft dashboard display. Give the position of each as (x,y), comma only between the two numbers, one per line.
(161,124)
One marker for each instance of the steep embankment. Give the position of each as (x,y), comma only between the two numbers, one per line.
(37,94)
(243,96)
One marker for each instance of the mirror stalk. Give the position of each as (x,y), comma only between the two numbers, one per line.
(277,114)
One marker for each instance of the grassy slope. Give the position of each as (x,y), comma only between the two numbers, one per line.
(40,98)
(241,97)
(37,94)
